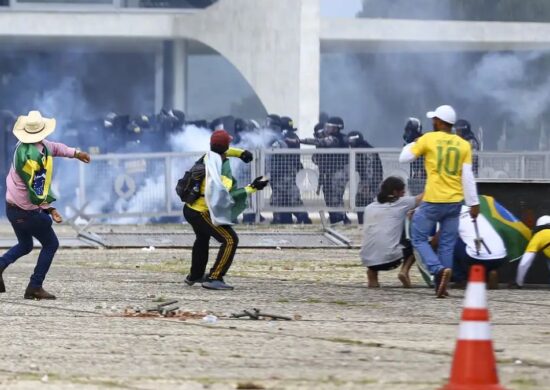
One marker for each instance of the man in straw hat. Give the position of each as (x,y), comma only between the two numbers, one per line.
(29,195)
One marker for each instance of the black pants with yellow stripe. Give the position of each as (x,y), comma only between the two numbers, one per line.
(204,228)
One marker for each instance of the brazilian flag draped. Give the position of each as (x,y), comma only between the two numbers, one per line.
(514,233)
(36,170)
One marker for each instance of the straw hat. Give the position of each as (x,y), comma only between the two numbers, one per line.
(33,127)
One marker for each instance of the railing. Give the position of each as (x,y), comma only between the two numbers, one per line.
(106,5)
(304,180)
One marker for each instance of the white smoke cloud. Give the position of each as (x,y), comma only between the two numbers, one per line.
(501,78)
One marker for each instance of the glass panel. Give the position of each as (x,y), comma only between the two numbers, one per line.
(168,3)
(485,10)
(68,2)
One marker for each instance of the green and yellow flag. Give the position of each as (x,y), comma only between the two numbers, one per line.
(36,170)
(514,233)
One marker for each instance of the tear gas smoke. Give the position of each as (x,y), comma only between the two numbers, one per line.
(375,93)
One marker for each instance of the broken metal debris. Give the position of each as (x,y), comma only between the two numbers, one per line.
(256,314)
(169,308)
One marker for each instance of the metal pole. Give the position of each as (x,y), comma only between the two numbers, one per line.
(81,186)
(168,183)
(159,77)
(352,179)
(255,169)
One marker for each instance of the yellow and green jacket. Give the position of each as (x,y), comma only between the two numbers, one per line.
(239,195)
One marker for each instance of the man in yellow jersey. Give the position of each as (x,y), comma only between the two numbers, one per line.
(540,242)
(450,183)
(211,215)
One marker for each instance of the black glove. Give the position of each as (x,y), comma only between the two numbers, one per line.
(259,183)
(246,156)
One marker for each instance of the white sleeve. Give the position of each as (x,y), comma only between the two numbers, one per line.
(469,185)
(523,267)
(406,155)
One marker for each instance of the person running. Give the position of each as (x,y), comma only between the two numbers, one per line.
(450,182)
(540,242)
(213,213)
(384,246)
(29,197)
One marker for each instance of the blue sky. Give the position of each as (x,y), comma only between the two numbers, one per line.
(340,8)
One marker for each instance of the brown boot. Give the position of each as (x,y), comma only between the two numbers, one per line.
(2,285)
(37,293)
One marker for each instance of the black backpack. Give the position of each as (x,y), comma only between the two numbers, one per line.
(189,186)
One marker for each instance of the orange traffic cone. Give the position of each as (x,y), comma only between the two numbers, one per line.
(474,366)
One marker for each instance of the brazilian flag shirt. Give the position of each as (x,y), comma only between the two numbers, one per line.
(36,169)
(28,185)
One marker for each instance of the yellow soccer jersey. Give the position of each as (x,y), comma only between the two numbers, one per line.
(444,155)
(539,241)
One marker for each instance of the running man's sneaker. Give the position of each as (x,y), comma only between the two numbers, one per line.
(213,284)
(442,279)
(188,281)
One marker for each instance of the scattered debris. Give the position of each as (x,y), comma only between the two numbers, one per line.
(210,319)
(166,308)
(249,386)
(148,249)
(255,314)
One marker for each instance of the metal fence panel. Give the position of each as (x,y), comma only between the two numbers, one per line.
(306,180)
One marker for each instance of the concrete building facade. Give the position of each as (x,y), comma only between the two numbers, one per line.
(276,45)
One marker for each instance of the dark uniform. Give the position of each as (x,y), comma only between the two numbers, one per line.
(464,130)
(283,169)
(243,129)
(417,173)
(369,168)
(333,168)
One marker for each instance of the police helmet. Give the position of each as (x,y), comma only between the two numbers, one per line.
(287,124)
(273,121)
(334,125)
(413,129)
(463,129)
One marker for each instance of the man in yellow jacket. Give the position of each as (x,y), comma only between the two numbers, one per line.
(211,215)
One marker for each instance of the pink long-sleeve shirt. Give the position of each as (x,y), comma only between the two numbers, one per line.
(16,190)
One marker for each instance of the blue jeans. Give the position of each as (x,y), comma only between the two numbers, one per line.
(26,225)
(423,225)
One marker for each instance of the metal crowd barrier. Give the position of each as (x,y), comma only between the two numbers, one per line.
(131,187)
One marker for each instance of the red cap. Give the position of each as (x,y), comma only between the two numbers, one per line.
(220,138)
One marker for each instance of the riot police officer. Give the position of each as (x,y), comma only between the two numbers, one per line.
(333,168)
(417,173)
(283,171)
(464,130)
(369,168)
